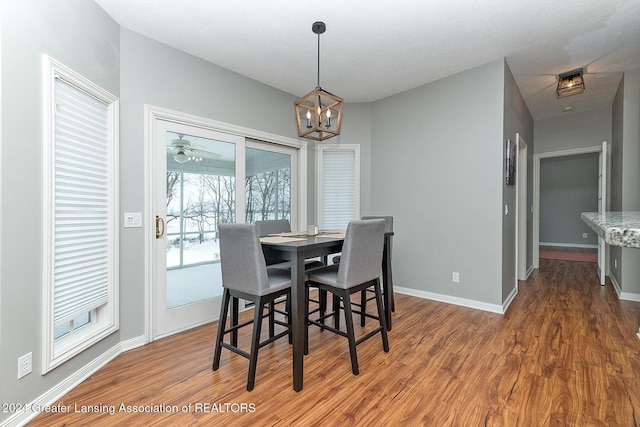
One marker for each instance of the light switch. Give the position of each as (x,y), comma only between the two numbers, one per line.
(133,220)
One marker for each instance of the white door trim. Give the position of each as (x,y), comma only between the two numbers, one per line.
(603,195)
(521,209)
(151,115)
(536,190)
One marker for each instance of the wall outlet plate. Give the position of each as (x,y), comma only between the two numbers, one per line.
(24,365)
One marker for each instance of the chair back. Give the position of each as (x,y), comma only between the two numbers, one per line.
(388,222)
(241,258)
(273,226)
(361,259)
(388,228)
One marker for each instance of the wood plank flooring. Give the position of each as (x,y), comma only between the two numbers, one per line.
(564,354)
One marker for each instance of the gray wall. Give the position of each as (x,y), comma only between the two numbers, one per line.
(81,36)
(568,187)
(517,120)
(573,130)
(626,175)
(436,157)
(153,73)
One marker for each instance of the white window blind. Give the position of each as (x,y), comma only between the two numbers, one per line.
(82,219)
(339,184)
(80,235)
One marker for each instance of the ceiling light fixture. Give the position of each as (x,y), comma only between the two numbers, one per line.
(570,83)
(316,110)
(181,157)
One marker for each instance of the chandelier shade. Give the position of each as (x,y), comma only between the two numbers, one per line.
(319,113)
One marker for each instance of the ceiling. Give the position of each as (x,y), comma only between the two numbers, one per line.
(374,49)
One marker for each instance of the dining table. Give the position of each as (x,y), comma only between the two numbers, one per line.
(296,247)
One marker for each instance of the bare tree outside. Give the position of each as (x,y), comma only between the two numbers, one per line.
(197,203)
(268,195)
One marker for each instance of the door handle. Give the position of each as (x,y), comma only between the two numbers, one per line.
(159,227)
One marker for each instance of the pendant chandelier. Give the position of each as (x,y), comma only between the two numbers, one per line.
(319,113)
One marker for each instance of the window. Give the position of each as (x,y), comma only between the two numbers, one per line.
(268,182)
(81,210)
(338,185)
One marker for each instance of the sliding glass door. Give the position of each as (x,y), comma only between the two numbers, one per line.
(198,176)
(268,182)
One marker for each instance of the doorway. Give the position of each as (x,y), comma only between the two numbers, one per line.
(200,174)
(602,186)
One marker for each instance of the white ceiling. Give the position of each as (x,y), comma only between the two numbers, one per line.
(373,49)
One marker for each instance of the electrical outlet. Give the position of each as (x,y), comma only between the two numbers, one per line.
(455,277)
(585,236)
(24,365)
(615,263)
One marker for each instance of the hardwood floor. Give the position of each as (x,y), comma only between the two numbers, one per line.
(564,354)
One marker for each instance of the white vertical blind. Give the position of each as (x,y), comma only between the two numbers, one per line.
(82,242)
(339,189)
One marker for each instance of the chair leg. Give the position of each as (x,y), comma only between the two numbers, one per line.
(391,294)
(381,316)
(363,307)
(348,318)
(322,298)
(222,321)
(306,320)
(287,308)
(255,342)
(336,310)
(272,316)
(234,320)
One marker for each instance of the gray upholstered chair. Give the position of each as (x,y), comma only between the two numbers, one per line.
(359,268)
(275,226)
(245,276)
(388,228)
(364,298)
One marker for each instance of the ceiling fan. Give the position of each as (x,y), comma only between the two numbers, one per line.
(183,151)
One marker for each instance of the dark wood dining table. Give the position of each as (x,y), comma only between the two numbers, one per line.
(297,248)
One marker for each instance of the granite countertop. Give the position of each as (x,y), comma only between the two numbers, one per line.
(616,228)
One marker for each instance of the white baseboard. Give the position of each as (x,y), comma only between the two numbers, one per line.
(616,285)
(529,271)
(69,383)
(479,305)
(626,296)
(629,296)
(509,300)
(569,245)
(132,343)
